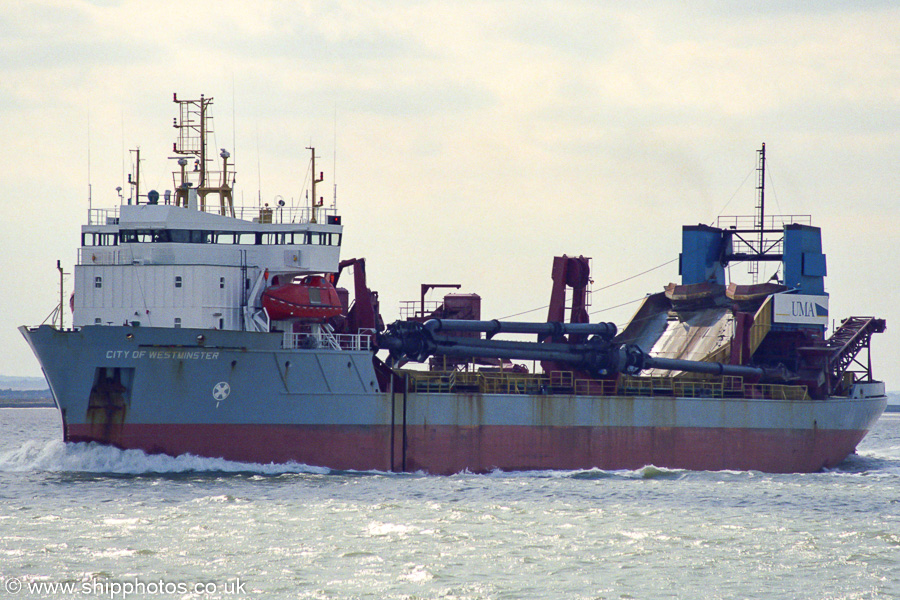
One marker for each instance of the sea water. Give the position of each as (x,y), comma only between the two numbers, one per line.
(84,521)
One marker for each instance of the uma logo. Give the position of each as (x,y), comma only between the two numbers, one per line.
(800,309)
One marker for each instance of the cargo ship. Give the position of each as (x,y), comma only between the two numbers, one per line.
(201,327)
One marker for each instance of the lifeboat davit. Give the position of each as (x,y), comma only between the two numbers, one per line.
(311,298)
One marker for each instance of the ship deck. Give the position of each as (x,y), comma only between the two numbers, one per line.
(567,382)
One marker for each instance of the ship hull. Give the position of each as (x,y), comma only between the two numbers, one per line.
(241,396)
(437,450)
(340,447)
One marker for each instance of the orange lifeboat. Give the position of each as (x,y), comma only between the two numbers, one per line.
(312,298)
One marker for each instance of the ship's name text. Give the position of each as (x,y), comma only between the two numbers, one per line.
(164,354)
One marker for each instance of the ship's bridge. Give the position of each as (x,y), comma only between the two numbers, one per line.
(158,234)
(167,265)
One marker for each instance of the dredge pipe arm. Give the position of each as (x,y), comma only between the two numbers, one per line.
(696,366)
(409,340)
(779,373)
(606,331)
(416,342)
(598,356)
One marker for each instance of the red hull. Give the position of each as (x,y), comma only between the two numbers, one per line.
(447,450)
(450,449)
(362,448)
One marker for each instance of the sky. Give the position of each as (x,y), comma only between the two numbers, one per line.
(469,142)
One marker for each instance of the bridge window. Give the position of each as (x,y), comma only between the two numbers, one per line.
(137,236)
(94,238)
(98,282)
(274,238)
(323,238)
(177,322)
(243,238)
(162,236)
(196,236)
(178,281)
(287,238)
(202,237)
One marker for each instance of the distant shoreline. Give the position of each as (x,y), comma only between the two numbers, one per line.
(26,399)
(27,403)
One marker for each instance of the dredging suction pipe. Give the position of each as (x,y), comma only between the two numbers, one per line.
(698,366)
(606,331)
(599,355)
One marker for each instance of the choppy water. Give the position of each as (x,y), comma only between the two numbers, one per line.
(106,522)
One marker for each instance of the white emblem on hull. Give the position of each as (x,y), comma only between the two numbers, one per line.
(220,392)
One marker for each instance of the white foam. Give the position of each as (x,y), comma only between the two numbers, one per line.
(378,529)
(646,472)
(57,456)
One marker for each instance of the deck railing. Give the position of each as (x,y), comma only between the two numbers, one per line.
(104,255)
(324,339)
(255,214)
(776,222)
(414,309)
(564,382)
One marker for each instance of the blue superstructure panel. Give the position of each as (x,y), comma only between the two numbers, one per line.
(702,249)
(804,262)
(814,265)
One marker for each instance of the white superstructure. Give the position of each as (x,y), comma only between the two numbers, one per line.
(176,266)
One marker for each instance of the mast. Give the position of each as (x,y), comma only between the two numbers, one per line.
(761,187)
(192,129)
(203,106)
(194,124)
(315,204)
(760,208)
(61,295)
(90,199)
(136,182)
